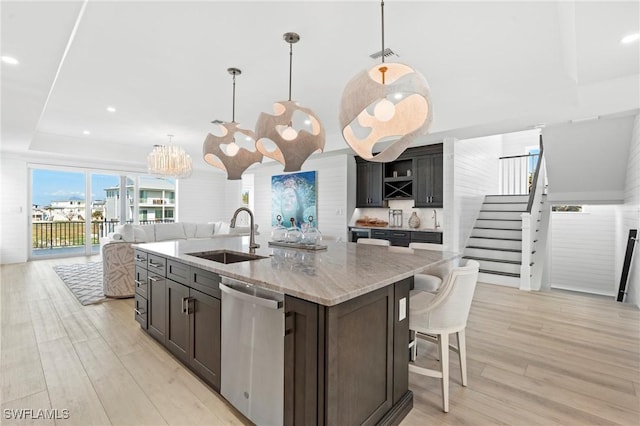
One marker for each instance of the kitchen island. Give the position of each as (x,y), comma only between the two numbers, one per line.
(344,320)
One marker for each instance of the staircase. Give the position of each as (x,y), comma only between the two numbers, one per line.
(496,239)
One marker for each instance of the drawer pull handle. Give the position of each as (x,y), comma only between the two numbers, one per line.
(138,312)
(152,279)
(140,259)
(156,265)
(138,283)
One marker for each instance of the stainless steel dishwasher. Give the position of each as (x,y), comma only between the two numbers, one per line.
(252,376)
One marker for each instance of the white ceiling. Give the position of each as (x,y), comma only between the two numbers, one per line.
(492,66)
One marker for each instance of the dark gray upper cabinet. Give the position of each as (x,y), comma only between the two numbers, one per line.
(369,184)
(429,180)
(417,174)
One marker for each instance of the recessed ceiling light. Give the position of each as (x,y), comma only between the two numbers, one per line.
(111,109)
(397,96)
(630,38)
(86,132)
(10,60)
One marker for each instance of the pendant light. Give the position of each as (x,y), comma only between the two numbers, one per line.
(293,133)
(389,102)
(225,152)
(169,160)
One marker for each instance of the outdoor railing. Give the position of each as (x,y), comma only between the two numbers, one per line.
(47,235)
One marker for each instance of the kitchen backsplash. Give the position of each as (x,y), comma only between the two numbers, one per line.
(425,215)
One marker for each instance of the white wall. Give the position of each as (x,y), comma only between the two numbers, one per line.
(202,197)
(475,174)
(14,210)
(583,250)
(584,160)
(332,193)
(631,216)
(516,143)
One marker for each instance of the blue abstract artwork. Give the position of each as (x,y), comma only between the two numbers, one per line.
(294,196)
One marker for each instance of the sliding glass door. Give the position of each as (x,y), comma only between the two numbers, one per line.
(58,213)
(71,210)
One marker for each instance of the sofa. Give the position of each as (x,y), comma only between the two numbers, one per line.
(117,248)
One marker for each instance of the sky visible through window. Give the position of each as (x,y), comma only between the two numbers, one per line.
(57,185)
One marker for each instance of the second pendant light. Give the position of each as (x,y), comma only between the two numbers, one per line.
(292,133)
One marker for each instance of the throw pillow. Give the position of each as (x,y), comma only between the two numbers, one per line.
(126,231)
(189,229)
(170,231)
(150,232)
(204,230)
(139,236)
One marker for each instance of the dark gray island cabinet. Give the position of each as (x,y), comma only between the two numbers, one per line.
(344,364)
(346,327)
(182,311)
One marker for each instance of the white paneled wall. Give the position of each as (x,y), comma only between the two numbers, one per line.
(631,215)
(516,143)
(14,211)
(332,179)
(202,197)
(583,250)
(475,175)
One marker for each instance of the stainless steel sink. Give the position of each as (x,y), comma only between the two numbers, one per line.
(226,256)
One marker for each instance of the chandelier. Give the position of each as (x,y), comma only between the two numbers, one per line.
(388,103)
(293,133)
(169,160)
(225,152)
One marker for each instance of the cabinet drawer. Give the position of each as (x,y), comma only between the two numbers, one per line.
(206,282)
(157,265)
(426,237)
(178,272)
(140,258)
(140,281)
(141,311)
(379,233)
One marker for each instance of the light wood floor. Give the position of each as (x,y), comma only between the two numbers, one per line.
(533,359)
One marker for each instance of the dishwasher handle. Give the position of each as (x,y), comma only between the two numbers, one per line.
(267,303)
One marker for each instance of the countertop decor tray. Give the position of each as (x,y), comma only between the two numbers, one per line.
(297,245)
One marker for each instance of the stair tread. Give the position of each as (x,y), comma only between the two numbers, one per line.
(504,202)
(511,262)
(498,238)
(506,220)
(497,229)
(506,274)
(498,249)
(487,259)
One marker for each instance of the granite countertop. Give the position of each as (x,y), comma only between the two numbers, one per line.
(397,228)
(341,272)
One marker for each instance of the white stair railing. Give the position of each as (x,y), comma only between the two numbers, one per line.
(530,224)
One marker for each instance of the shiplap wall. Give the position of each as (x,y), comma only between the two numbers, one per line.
(202,197)
(516,143)
(631,215)
(332,192)
(14,211)
(583,250)
(475,175)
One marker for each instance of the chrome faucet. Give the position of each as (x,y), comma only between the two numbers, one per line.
(252,239)
(436,225)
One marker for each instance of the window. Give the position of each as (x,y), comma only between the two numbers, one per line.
(567,208)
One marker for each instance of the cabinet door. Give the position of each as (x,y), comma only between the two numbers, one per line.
(429,181)
(303,356)
(369,184)
(177,336)
(362,182)
(204,337)
(437,189)
(157,304)
(375,185)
